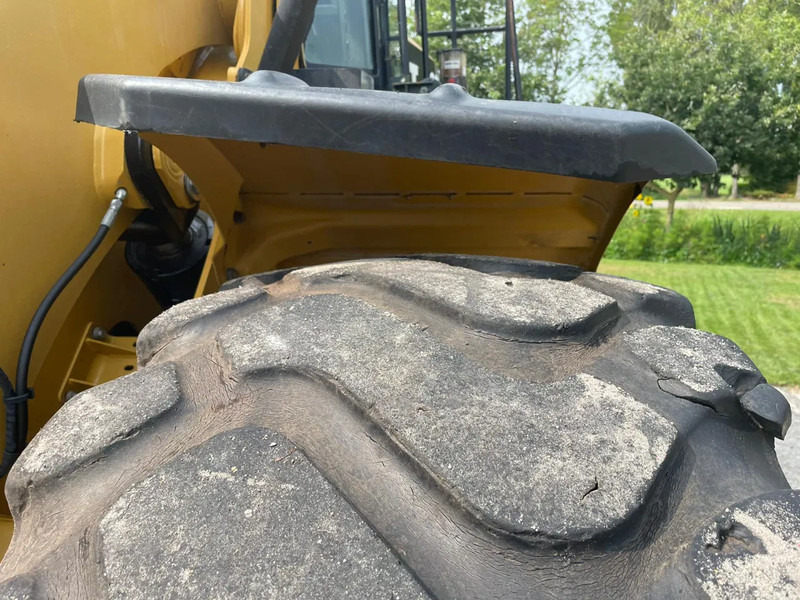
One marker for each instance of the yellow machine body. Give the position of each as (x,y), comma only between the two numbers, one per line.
(312,206)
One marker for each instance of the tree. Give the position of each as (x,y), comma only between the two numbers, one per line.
(717,69)
(750,115)
(781,110)
(552,50)
(485,52)
(663,53)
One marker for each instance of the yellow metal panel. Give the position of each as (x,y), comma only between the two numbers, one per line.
(6,531)
(253,22)
(48,190)
(217,180)
(110,172)
(48,204)
(98,360)
(213,274)
(52,193)
(304,206)
(172,176)
(112,294)
(219,184)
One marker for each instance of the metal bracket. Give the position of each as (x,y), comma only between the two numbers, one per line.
(99,358)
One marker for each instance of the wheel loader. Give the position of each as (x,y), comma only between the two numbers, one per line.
(288,313)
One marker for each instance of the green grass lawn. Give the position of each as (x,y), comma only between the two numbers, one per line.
(759,309)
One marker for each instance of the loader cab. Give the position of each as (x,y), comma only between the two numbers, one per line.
(343,46)
(342,35)
(386,45)
(357,44)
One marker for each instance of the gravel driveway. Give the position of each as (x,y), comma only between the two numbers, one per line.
(788,450)
(731,205)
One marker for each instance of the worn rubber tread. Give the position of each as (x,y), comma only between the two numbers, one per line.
(580,427)
(317,542)
(507,306)
(176,323)
(401,396)
(113,419)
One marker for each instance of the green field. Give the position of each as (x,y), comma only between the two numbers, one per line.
(759,309)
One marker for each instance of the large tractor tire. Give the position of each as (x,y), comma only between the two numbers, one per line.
(445,427)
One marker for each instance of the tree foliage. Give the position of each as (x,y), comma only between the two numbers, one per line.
(780,158)
(551,37)
(726,71)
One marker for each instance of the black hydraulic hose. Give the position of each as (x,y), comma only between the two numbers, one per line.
(10,454)
(17,401)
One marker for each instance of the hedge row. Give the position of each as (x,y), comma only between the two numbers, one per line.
(711,238)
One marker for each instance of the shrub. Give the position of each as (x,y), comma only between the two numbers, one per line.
(707,237)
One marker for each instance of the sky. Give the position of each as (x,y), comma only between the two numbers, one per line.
(584,89)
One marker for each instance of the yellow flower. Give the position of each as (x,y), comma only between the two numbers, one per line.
(639,197)
(648,200)
(636,212)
